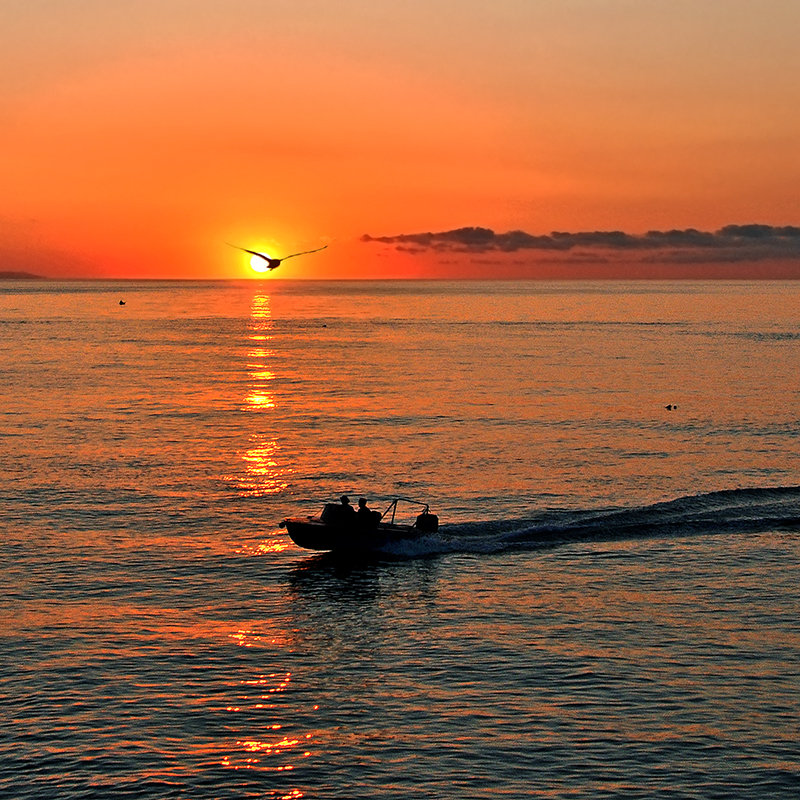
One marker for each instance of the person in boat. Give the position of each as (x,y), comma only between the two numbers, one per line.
(365,516)
(339,514)
(348,512)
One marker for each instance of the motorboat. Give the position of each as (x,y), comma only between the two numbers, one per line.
(340,527)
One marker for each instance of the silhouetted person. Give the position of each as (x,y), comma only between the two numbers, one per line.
(364,514)
(367,518)
(348,512)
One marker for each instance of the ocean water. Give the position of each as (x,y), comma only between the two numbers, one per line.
(609,610)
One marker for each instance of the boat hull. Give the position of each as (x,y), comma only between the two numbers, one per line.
(312,533)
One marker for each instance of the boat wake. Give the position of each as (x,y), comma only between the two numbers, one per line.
(733,511)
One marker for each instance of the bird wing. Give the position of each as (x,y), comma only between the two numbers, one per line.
(252,252)
(305,252)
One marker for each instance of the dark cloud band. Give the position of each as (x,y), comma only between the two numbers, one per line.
(733,242)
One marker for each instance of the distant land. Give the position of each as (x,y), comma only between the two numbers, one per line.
(21,276)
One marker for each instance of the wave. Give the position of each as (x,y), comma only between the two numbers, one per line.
(732,511)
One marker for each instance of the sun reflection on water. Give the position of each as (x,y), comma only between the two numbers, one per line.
(263,744)
(271,748)
(263,472)
(260,398)
(248,638)
(260,374)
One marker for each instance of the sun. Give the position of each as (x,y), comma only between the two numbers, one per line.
(259,264)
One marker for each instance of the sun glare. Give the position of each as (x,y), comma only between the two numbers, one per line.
(259,264)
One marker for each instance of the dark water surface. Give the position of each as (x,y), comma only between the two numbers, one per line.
(610,608)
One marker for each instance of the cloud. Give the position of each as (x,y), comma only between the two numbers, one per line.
(751,242)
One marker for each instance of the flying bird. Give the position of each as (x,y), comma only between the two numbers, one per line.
(270,262)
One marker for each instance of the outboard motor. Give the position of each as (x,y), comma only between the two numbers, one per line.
(427,522)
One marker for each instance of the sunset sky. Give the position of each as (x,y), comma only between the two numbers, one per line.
(137,138)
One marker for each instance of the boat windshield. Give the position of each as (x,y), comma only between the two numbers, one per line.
(391,511)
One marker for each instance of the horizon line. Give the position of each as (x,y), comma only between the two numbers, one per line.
(34,279)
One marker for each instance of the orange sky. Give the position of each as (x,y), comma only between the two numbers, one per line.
(136,138)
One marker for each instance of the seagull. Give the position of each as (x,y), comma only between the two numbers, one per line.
(274,263)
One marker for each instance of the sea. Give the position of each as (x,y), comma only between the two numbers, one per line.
(609,609)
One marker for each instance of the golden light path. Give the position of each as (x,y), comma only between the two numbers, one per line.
(266,747)
(271,750)
(263,473)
